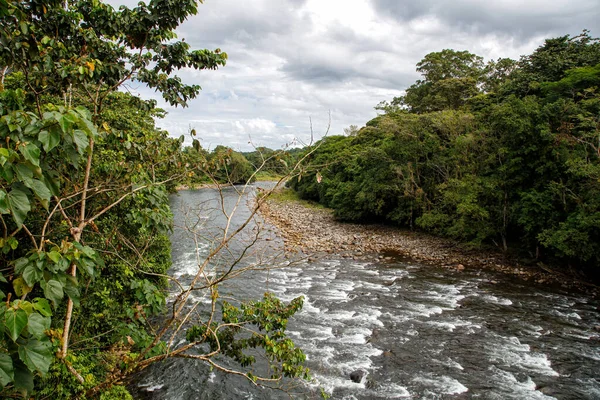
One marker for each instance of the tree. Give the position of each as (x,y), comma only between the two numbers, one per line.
(450,78)
(84,213)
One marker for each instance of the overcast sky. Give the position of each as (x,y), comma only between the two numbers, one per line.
(295,60)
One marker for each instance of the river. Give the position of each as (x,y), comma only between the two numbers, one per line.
(416,331)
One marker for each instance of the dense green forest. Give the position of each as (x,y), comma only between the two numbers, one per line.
(84,212)
(505,154)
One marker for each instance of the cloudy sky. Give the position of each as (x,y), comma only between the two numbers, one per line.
(293,61)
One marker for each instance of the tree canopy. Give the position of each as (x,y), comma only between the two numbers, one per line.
(84,212)
(503,154)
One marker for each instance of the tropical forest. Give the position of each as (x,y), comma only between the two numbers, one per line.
(135,263)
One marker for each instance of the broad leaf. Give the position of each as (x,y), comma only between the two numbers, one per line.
(49,138)
(53,290)
(81,140)
(72,289)
(20,265)
(52,184)
(21,287)
(37,355)
(38,324)
(87,265)
(3,204)
(42,305)
(25,173)
(54,256)
(41,191)
(15,321)
(32,274)
(7,371)
(23,378)
(31,153)
(19,205)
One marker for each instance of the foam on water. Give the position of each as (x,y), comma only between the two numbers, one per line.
(512,388)
(391,391)
(442,384)
(451,325)
(187,265)
(497,300)
(510,352)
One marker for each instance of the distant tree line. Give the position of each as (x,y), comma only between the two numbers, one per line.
(227,166)
(505,153)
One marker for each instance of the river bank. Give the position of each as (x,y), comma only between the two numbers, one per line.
(314,232)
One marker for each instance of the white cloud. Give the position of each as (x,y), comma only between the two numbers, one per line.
(291,60)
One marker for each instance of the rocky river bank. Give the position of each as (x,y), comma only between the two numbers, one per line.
(314,232)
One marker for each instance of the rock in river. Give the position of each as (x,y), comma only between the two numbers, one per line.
(358,375)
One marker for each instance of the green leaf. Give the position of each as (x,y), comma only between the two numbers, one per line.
(42,305)
(38,324)
(3,203)
(32,275)
(88,265)
(41,191)
(66,122)
(24,173)
(53,290)
(15,321)
(18,204)
(50,139)
(7,371)
(37,355)
(72,290)
(31,153)
(52,184)
(81,140)
(20,265)
(54,256)
(23,377)
(20,286)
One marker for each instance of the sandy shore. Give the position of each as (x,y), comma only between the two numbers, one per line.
(316,233)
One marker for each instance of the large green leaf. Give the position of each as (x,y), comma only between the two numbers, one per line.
(21,287)
(18,204)
(53,290)
(81,140)
(54,256)
(15,321)
(3,203)
(38,324)
(37,355)
(41,191)
(32,274)
(72,289)
(52,184)
(23,378)
(31,153)
(7,370)
(50,138)
(20,265)
(87,265)
(42,306)
(25,173)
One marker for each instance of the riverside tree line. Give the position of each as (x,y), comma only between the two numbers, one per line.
(504,153)
(84,211)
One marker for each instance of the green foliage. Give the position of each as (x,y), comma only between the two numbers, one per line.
(505,154)
(268,318)
(228,166)
(116,393)
(84,182)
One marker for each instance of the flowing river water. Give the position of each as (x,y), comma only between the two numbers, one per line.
(415,331)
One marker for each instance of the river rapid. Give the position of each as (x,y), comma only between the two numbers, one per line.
(414,331)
